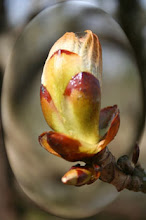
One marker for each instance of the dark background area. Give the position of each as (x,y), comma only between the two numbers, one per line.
(131,15)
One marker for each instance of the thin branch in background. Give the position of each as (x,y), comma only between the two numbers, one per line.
(3,21)
(7,207)
(132,20)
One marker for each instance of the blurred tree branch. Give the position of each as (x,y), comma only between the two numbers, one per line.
(122,174)
(7,208)
(2,16)
(132,19)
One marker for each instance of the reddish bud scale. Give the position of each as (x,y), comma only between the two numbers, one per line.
(44,93)
(49,109)
(67,147)
(81,176)
(84,82)
(81,106)
(96,173)
(43,142)
(106,116)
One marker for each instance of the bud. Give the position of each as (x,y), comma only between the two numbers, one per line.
(77,176)
(71,97)
(70,92)
(81,175)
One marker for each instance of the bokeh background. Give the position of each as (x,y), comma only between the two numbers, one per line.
(14,15)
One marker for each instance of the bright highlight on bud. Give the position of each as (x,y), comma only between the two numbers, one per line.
(70,100)
(81,175)
(76,177)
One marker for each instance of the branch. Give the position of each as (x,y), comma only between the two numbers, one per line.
(122,174)
(132,19)
(7,204)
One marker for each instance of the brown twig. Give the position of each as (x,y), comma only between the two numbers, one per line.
(122,174)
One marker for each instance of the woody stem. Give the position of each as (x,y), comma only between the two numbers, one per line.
(122,174)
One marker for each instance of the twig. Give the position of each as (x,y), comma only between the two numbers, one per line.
(122,174)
